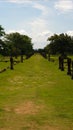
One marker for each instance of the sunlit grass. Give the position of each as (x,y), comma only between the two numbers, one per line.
(36,95)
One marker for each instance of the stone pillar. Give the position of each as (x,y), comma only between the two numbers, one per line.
(69,66)
(11,63)
(72,71)
(60,62)
(48,56)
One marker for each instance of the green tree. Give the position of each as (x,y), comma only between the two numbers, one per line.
(12,41)
(19,44)
(27,46)
(2,33)
(60,44)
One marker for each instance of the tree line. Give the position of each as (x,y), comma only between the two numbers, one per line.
(15,44)
(59,44)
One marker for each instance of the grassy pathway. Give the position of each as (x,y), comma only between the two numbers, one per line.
(36,96)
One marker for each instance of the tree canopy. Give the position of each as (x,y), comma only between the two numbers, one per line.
(60,44)
(2,32)
(18,44)
(14,44)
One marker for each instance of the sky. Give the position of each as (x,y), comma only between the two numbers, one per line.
(39,19)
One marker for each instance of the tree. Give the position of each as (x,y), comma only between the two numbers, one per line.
(27,46)
(2,32)
(12,40)
(19,44)
(60,44)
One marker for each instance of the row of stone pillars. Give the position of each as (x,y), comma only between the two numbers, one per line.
(69,65)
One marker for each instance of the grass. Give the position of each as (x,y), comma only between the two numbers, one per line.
(36,95)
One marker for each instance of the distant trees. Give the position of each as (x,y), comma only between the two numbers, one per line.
(60,44)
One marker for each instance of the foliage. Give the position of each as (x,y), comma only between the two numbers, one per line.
(15,44)
(2,32)
(18,44)
(60,44)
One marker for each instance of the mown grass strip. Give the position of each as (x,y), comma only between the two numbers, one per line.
(36,95)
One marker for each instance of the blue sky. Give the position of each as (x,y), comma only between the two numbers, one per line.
(38,19)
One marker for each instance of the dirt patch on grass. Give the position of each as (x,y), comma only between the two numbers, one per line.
(16,79)
(7,109)
(47,127)
(5,129)
(28,107)
(35,126)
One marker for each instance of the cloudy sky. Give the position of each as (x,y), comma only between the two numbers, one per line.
(38,19)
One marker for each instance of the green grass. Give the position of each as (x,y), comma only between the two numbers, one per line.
(4,64)
(36,95)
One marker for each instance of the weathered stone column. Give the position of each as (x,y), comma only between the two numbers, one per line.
(72,71)
(69,66)
(11,63)
(60,65)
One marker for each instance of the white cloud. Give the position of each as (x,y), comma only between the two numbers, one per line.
(38,24)
(19,31)
(18,1)
(64,5)
(70,32)
(39,32)
(41,7)
(34,4)
(46,33)
(37,29)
